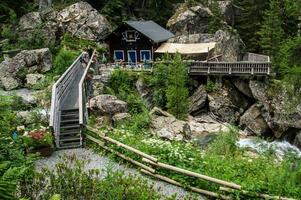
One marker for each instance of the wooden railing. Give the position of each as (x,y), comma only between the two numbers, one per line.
(59,90)
(83,95)
(230,68)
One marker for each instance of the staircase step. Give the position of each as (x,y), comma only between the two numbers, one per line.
(68,139)
(68,112)
(71,132)
(71,126)
(70,120)
(70,145)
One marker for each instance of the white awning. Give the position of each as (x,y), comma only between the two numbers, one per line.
(196,48)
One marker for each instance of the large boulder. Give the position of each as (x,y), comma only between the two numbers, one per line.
(30,21)
(83,21)
(14,70)
(33,79)
(120,117)
(28,97)
(228,44)
(108,105)
(243,86)
(166,126)
(275,101)
(254,121)
(198,100)
(193,38)
(190,20)
(227,103)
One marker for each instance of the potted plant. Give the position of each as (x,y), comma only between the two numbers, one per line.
(39,141)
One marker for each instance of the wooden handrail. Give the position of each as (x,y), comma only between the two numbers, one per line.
(81,102)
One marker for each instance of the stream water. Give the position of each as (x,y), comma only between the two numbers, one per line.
(280,148)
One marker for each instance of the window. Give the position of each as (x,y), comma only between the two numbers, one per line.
(132,56)
(145,55)
(118,55)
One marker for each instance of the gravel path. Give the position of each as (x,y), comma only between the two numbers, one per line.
(97,161)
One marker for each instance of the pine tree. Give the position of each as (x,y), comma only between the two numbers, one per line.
(271,32)
(247,21)
(177,92)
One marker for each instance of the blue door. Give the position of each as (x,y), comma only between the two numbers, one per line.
(132,57)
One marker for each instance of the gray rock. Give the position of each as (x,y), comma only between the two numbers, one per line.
(83,21)
(31,117)
(28,96)
(108,105)
(193,38)
(165,125)
(9,83)
(275,103)
(103,121)
(190,20)
(198,99)
(98,88)
(297,140)
(120,117)
(227,103)
(33,79)
(243,86)
(13,71)
(30,21)
(144,92)
(228,44)
(254,121)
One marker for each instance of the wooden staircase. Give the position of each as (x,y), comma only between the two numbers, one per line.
(70,130)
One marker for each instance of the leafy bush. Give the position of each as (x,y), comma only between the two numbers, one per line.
(63,60)
(38,139)
(70,180)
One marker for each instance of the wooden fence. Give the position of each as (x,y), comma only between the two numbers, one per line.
(154,163)
(230,68)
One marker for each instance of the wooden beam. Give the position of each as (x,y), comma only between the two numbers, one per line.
(194,189)
(142,154)
(101,144)
(192,174)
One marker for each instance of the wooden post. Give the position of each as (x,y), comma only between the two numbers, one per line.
(194,189)
(101,144)
(192,174)
(122,145)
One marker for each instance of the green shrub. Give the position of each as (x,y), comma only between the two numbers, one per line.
(63,60)
(70,180)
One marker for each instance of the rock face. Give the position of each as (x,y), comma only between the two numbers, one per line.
(167,126)
(243,86)
(13,71)
(229,44)
(33,79)
(108,105)
(83,21)
(274,101)
(227,103)
(297,141)
(190,20)
(28,97)
(254,121)
(144,92)
(193,38)
(30,21)
(120,117)
(198,99)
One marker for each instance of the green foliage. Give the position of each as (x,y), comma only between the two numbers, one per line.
(177,91)
(248,21)
(72,181)
(215,23)
(222,160)
(211,86)
(63,60)
(72,43)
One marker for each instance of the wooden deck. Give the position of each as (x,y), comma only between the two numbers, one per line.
(230,68)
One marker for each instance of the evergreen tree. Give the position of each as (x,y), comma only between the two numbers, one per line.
(271,32)
(247,21)
(177,92)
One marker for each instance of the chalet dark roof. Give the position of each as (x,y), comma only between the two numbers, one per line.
(151,30)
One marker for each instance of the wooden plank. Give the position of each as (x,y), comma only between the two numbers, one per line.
(194,189)
(142,154)
(192,174)
(102,144)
